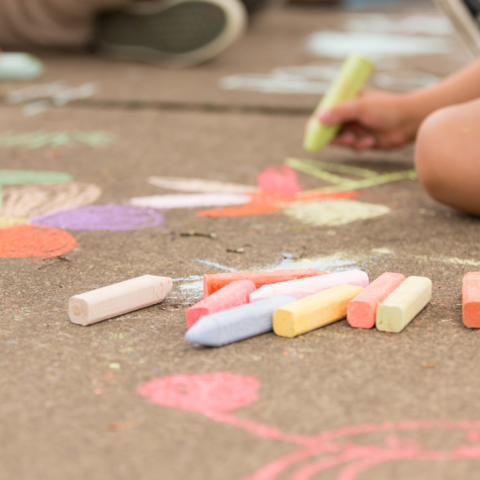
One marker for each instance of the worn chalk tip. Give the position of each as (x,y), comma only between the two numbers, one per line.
(389,319)
(78,311)
(206,333)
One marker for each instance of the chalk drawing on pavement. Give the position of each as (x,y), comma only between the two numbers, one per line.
(345,453)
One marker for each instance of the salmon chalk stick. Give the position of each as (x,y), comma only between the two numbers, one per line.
(314,311)
(235,324)
(361,311)
(471,300)
(309,286)
(216,281)
(117,299)
(233,295)
(403,304)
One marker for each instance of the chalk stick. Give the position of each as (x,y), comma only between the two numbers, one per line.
(233,295)
(403,304)
(310,286)
(471,300)
(346,86)
(361,310)
(213,282)
(19,66)
(314,311)
(117,299)
(236,323)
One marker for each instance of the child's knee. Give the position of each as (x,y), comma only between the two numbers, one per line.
(432,148)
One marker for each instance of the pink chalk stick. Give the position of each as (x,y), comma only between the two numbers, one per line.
(362,309)
(233,295)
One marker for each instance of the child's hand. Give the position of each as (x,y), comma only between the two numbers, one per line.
(375,119)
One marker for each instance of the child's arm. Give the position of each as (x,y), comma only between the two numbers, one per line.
(379,119)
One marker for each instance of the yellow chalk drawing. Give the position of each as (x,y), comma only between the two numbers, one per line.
(335,212)
(41,138)
(342,184)
(8,222)
(33,200)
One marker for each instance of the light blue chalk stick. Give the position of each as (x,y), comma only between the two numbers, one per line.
(19,66)
(236,323)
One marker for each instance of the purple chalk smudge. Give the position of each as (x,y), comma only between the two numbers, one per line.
(101,217)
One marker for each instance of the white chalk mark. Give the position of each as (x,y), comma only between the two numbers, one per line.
(190,201)
(336,44)
(32,200)
(58,93)
(404,80)
(451,260)
(273,83)
(335,212)
(217,265)
(199,185)
(410,25)
(35,108)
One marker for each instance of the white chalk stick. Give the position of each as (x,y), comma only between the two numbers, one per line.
(403,304)
(108,302)
(309,286)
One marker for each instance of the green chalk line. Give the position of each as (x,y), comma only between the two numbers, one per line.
(25,177)
(316,172)
(371,182)
(41,138)
(335,167)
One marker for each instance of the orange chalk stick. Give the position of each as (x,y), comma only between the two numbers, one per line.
(233,295)
(216,281)
(471,300)
(362,309)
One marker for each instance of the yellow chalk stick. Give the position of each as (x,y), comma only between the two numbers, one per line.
(351,78)
(403,304)
(314,311)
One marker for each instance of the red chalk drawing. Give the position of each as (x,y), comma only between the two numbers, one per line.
(22,241)
(348,450)
(263,203)
(280,180)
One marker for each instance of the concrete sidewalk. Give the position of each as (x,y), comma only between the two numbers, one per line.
(336,403)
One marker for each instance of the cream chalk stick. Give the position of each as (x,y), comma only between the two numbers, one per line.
(117,299)
(314,311)
(403,304)
(309,286)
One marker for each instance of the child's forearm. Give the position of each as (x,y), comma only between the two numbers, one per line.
(457,88)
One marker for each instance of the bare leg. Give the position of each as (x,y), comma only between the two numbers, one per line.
(50,23)
(448,156)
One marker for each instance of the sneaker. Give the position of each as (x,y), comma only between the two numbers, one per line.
(174,33)
(465,15)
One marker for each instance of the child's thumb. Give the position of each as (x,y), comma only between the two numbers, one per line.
(343,112)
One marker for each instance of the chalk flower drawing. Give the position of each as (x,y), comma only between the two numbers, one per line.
(217,395)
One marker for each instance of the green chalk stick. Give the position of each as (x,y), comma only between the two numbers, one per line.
(19,66)
(351,78)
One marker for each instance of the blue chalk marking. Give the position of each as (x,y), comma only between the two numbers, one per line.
(236,323)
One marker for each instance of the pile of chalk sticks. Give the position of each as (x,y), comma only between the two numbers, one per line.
(290,302)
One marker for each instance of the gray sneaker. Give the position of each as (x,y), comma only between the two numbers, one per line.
(465,15)
(174,33)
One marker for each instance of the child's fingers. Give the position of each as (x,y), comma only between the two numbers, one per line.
(343,112)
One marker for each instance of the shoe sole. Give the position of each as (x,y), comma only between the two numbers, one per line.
(175,33)
(464,22)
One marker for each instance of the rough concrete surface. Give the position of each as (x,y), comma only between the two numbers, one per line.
(400,406)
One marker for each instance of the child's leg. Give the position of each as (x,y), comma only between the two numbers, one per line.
(448,156)
(50,23)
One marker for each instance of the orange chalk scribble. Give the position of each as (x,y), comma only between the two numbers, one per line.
(23,241)
(264,203)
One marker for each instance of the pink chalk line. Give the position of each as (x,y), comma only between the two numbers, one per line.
(217,395)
